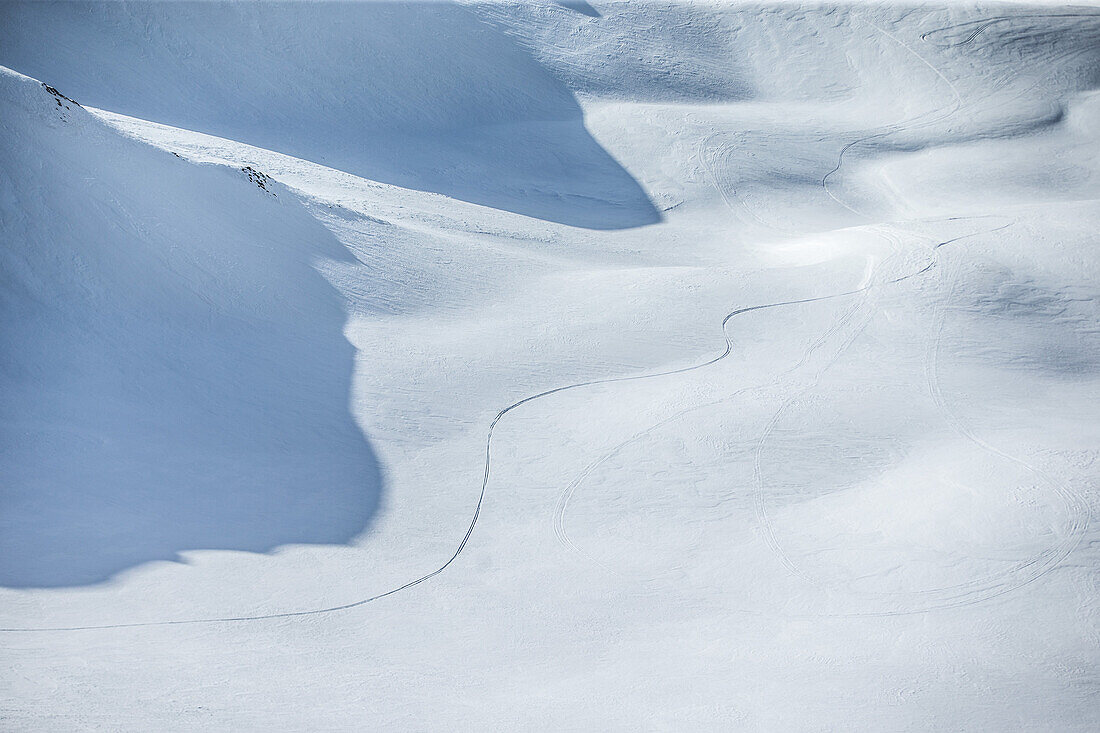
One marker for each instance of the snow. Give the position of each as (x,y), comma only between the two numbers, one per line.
(457,107)
(176,365)
(555,366)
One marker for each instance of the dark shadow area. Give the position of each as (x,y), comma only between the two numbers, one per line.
(423,95)
(173,369)
(580,6)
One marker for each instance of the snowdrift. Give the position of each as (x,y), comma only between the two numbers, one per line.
(174,373)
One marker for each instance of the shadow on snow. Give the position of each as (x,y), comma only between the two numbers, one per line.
(421,95)
(173,369)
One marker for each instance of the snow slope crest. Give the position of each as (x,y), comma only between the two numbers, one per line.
(32,98)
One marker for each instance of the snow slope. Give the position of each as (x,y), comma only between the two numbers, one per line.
(456,107)
(817,450)
(175,371)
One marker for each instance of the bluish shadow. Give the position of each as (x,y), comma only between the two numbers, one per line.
(422,95)
(580,6)
(173,369)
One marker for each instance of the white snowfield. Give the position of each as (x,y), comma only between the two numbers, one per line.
(557,366)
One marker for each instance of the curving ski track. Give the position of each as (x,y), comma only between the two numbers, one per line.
(1079,520)
(969,592)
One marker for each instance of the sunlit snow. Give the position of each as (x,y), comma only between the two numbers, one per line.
(565,366)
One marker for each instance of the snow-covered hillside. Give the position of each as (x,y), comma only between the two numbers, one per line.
(423,95)
(554,366)
(176,375)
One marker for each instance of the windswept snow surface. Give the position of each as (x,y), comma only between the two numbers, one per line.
(554,366)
